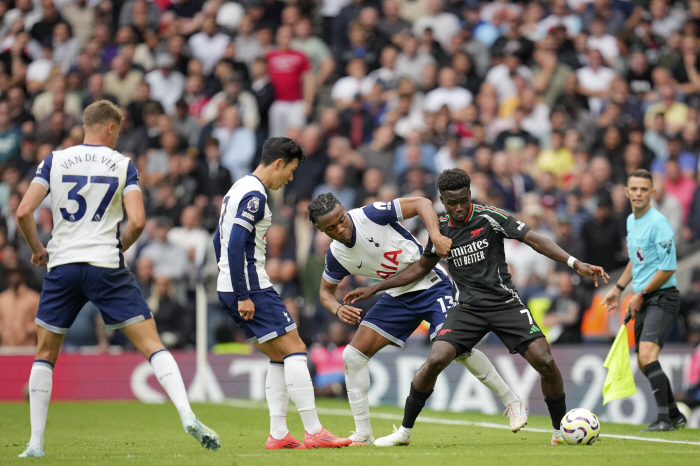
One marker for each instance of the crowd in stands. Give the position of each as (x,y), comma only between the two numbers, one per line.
(548,105)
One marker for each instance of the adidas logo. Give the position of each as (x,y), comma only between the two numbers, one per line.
(534,329)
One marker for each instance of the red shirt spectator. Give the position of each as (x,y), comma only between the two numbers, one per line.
(286,69)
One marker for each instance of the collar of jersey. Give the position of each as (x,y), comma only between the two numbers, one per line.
(250,174)
(354,235)
(93,145)
(471,212)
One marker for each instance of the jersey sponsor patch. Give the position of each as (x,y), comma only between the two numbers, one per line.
(667,245)
(640,255)
(248,215)
(253,205)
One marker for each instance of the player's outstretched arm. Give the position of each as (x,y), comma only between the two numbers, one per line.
(410,274)
(549,248)
(348,314)
(412,206)
(25,221)
(133,206)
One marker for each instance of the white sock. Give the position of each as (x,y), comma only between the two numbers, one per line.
(277,399)
(168,374)
(40,383)
(479,365)
(357,383)
(301,390)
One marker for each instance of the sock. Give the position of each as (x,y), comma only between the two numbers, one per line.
(277,399)
(357,383)
(40,383)
(168,374)
(557,409)
(659,386)
(414,405)
(673,411)
(478,364)
(301,390)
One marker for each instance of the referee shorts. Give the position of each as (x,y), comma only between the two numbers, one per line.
(656,317)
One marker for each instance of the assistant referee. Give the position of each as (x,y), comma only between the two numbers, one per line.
(656,302)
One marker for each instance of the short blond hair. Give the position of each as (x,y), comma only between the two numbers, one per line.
(102,112)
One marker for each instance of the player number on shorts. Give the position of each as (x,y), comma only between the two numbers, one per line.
(529,316)
(80,183)
(448,300)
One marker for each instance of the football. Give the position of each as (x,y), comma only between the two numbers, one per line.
(580,427)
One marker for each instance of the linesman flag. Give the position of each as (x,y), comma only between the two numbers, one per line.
(619,383)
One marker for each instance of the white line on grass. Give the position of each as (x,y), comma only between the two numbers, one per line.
(247,404)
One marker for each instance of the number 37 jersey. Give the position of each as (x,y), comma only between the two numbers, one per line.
(87,184)
(380,248)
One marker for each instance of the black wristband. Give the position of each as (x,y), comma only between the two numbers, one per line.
(336,311)
(619,287)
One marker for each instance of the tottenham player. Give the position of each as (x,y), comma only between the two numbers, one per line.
(370,242)
(246,294)
(484,295)
(91,187)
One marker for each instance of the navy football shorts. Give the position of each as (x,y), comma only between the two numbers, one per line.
(271,318)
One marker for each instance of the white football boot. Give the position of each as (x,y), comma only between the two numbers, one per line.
(204,435)
(400,438)
(557,437)
(517,414)
(361,440)
(33,451)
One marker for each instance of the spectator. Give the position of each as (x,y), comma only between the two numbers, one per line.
(18,306)
(237,143)
(42,31)
(10,136)
(602,236)
(411,61)
(213,179)
(679,186)
(565,315)
(167,84)
(315,49)
(335,184)
(168,259)
(687,162)
(444,25)
(192,237)
(81,18)
(594,81)
(448,94)
(208,46)
(669,206)
(122,81)
(144,276)
(171,319)
(346,89)
(292,78)
(97,91)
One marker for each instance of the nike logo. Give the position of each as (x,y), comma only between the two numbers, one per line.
(359,265)
(484,377)
(654,391)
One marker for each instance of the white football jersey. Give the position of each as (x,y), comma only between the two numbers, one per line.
(87,185)
(381,247)
(245,204)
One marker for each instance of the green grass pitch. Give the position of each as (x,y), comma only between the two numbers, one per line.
(110,433)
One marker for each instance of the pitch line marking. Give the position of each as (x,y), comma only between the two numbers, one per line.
(453,422)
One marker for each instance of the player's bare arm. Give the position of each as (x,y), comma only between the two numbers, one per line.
(27,225)
(412,206)
(612,298)
(659,278)
(410,274)
(549,248)
(346,313)
(136,215)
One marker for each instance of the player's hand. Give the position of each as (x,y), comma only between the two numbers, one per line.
(246,309)
(349,314)
(591,271)
(364,292)
(442,246)
(612,299)
(635,304)
(39,258)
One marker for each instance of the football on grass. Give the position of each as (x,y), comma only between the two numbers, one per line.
(580,427)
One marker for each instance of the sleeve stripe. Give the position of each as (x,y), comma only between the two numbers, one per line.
(243,223)
(330,279)
(131,187)
(397,206)
(41,181)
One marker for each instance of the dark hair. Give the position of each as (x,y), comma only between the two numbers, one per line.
(453,179)
(641,173)
(281,148)
(321,206)
(211,141)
